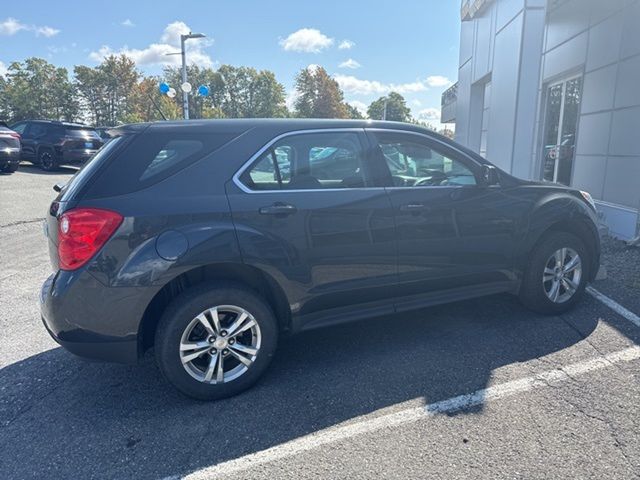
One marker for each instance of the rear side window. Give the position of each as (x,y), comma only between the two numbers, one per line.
(151,157)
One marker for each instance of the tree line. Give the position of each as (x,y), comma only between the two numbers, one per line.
(116,92)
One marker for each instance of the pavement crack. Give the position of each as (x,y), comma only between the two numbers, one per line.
(22,222)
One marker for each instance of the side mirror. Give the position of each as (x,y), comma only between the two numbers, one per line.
(490,175)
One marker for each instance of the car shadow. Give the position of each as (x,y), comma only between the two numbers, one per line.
(68,417)
(36,170)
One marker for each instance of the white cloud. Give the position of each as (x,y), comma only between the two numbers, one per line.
(351,63)
(429,114)
(11,26)
(353,85)
(346,45)
(416,103)
(308,40)
(438,81)
(156,53)
(3,69)
(360,106)
(46,31)
(127,23)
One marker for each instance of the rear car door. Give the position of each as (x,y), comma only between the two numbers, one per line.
(307,212)
(452,231)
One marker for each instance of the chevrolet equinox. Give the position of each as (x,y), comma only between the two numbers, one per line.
(208,240)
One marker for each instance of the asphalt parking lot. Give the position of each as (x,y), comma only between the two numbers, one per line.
(477,389)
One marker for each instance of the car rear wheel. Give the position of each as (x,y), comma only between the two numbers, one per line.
(47,160)
(556,276)
(214,342)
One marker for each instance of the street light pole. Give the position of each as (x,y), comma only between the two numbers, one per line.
(185,95)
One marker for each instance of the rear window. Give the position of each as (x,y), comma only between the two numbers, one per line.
(151,157)
(81,133)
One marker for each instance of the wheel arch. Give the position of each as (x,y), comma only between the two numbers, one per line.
(246,276)
(578,225)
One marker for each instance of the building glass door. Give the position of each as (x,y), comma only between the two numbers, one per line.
(560,126)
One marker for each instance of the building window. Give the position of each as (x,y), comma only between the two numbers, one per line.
(485,118)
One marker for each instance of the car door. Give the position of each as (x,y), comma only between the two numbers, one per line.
(26,143)
(307,212)
(33,134)
(452,231)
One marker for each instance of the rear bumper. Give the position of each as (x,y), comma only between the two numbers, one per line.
(76,157)
(8,159)
(90,319)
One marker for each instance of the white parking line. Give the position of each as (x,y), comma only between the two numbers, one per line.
(615,306)
(364,425)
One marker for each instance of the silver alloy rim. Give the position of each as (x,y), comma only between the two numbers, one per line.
(220,344)
(561,276)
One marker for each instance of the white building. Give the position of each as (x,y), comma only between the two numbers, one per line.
(550,89)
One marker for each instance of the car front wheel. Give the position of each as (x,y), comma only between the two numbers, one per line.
(214,342)
(556,276)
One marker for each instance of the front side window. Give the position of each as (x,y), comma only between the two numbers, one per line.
(415,163)
(310,162)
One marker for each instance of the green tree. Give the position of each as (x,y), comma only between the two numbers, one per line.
(147,104)
(107,89)
(235,92)
(353,112)
(319,95)
(37,89)
(396,106)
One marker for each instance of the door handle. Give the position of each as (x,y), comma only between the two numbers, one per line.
(281,209)
(414,208)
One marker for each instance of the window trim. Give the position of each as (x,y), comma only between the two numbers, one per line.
(255,157)
(467,160)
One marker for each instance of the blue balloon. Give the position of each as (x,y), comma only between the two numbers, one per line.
(164,87)
(203,90)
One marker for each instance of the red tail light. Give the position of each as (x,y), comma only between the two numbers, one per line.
(82,232)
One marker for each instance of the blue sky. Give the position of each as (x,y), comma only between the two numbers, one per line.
(368,46)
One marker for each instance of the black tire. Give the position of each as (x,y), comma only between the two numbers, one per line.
(12,168)
(532,291)
(47,160)
(180,313)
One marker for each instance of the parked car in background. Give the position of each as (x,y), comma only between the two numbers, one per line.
(207,240)
(9,149)
(51,144)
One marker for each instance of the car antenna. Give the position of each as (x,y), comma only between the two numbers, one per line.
(157,107)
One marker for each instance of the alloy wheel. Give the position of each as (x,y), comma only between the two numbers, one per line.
(562,274)
(220,344)
(46,161)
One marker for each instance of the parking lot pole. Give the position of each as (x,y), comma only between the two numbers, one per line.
(185,95)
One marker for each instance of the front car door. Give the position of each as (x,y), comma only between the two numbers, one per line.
(453,232)
(26,142)
(308,213)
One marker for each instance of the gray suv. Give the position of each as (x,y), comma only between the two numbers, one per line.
(209,240)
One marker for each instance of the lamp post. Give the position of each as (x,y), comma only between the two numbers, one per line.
(185,95)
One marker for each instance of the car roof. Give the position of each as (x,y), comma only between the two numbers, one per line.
(57,122)
(275,126)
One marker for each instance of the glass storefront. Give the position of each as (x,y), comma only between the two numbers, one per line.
(560,125)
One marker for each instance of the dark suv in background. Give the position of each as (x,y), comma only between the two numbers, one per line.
(51,144)
(208,239)
(9,149)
